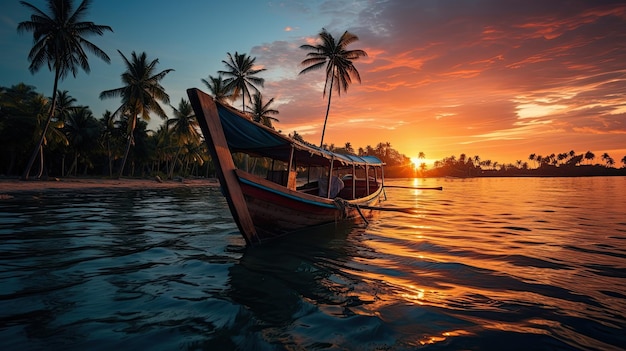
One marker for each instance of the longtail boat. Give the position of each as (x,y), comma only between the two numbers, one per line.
(276,185)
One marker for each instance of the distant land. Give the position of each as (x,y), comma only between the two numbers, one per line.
(469,170)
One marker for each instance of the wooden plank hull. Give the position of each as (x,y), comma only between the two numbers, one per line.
(278,212)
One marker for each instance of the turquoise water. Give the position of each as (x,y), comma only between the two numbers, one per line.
(485,264)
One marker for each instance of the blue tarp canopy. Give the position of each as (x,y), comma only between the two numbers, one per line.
(244,135)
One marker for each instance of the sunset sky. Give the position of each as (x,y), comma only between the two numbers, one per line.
(498,79)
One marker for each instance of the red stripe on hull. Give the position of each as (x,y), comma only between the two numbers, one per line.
(275,214)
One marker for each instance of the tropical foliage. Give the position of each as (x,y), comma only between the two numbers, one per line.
(240,77)
(261,111)
(218,88)
(141,94)
(337,59)
(60,43)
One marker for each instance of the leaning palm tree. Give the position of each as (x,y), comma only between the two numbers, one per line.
(184,128)
(261,111)
(52,135)
(240,76)
(217,88)
(59,42)
(334,56)
(140,94)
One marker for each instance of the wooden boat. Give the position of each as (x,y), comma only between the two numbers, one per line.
(276,185)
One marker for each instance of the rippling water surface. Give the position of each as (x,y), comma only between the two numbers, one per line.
(486,264)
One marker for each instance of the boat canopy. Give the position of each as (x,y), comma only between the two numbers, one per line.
(244,135)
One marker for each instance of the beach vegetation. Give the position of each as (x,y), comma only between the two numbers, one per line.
(60,43)
(141,93)
(184,132)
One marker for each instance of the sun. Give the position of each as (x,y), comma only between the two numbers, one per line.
(416,161)
(420,163)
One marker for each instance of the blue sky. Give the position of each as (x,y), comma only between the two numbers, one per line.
(498,79)
(191,37)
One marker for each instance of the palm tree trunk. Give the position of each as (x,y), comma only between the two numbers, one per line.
(330,94)
(110,159)
(125,157)
(171,172)
(31,160)
(40,162)
(130,141)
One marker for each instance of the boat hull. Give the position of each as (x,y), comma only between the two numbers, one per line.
(277,212)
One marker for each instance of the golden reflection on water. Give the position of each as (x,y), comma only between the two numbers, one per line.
(500,248)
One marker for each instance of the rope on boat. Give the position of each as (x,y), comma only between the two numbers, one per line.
(342,204)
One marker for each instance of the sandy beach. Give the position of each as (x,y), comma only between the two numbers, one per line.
(12,186)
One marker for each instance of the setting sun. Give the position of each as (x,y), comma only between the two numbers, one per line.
(416,161)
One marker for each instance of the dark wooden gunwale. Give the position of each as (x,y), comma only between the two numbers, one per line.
(208,118)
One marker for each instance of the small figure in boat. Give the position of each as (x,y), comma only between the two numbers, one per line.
(336,184)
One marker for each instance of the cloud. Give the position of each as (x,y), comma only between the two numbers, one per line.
(470,72)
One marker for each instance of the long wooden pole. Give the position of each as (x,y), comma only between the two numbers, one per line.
(414,188)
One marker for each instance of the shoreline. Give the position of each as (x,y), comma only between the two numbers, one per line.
(14,186)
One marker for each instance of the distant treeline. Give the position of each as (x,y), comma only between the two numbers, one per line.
(81,144)
(567,164)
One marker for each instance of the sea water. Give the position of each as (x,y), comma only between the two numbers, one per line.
(485,264)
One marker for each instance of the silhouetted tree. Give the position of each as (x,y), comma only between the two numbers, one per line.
(334,56)
(262,112)
(140,94)
(240,77)
(217,87)
(60,43)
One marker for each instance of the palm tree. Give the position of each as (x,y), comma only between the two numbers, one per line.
(217,88)
(108,137)
(21,109)
(338,62)
(608,160)
(240,77)
(624,161)
(298,137)
(64,105)
(589,156)
(476,161)
(140,94)
(349,148)
(184,127)
(261,111)
(59,42)
(82,131)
